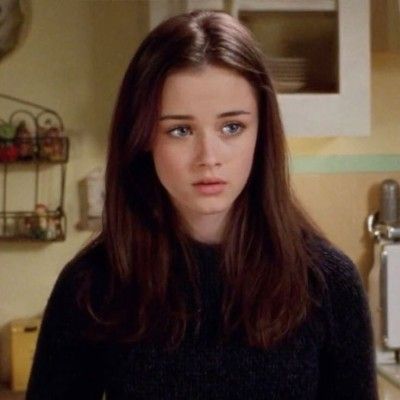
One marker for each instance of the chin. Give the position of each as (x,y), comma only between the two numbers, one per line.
(205,206)
(211,209)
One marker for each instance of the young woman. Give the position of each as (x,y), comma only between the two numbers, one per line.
(207,281)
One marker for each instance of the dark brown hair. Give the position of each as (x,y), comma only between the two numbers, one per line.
(267,258)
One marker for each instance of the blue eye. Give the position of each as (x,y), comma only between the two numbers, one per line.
(237,128)
(179,130)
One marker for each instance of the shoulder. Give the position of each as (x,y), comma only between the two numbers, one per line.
(87,270)
(338,269)
(345,301)
(348,344)
(85,274)
(91,259)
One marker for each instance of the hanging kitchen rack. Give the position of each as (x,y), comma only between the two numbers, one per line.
(43,143)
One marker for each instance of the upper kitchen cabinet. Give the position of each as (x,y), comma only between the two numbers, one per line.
(317,51)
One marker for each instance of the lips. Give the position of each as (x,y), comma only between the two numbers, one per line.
(210,188)
(209,181)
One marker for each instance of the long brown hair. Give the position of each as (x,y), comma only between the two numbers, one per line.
(267,258)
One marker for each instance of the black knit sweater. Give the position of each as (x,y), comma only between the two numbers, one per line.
(330,356)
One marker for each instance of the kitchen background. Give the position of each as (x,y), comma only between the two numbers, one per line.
(72,60)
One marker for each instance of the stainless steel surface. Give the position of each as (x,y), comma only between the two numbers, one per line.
(390,295)
(382,231)
(389,202)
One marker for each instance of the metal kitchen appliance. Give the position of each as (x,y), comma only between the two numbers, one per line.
(384,278)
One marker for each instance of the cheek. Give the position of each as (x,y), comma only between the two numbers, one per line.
(168,164)
(245,158)
(244,169)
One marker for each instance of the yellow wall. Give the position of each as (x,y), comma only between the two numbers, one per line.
(341,202)
(72,60)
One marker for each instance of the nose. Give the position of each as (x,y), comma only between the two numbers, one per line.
(207,153)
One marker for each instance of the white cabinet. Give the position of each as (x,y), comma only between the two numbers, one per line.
(341,107)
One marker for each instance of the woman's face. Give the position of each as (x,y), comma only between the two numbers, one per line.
(207,130)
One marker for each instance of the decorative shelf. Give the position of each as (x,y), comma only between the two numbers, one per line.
(35,150)
(47,226)
(32,137)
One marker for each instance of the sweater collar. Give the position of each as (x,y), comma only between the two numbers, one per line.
(203,247)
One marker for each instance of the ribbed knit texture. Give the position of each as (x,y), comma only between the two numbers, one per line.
(330,356)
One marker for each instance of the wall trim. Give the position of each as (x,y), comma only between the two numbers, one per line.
(345,163)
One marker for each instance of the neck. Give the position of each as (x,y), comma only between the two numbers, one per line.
(206,228)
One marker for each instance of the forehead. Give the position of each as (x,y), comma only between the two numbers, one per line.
(207,86)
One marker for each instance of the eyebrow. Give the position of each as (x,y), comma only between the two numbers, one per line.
(222,115)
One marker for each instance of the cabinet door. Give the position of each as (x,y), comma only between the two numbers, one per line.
(342,112)
(346,111)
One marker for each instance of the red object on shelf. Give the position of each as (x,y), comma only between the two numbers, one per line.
(8,152)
